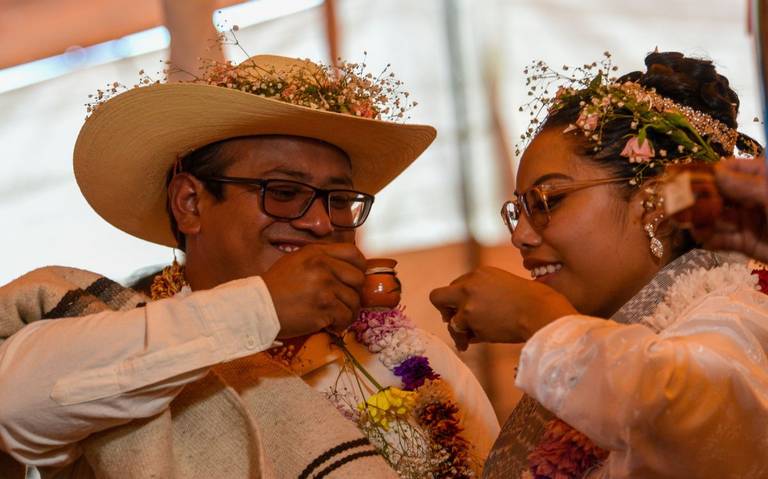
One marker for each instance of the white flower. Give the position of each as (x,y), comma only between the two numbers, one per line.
(400,345)
(693,286)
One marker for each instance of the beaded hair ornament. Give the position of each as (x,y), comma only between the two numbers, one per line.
(654,120)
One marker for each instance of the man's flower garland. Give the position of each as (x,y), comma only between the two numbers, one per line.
(435,446)
(424,397)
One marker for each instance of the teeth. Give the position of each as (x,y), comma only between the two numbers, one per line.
(546,269)
(288,248)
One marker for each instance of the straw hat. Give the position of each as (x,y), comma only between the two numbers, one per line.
(130,142)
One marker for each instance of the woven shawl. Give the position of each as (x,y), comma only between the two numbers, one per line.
(524,428)
(247,418)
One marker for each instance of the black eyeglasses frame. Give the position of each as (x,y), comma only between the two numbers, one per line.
(325,194)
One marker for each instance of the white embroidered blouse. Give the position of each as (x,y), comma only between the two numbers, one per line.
(682,395)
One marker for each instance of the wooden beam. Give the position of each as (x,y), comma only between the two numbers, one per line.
(36,29)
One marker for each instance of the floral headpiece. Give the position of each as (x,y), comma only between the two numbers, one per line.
(344,88)
(602,98)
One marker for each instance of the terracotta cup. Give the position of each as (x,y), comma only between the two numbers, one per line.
(381,288)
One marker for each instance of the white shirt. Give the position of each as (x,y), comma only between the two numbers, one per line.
(64,379)
(689,401)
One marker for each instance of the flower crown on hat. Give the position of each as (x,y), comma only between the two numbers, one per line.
(344,88)
(602,99)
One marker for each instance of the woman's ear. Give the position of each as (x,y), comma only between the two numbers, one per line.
(184,192)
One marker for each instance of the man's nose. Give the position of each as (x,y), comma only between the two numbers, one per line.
(316,219)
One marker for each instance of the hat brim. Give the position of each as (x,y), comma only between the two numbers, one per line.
(126,148)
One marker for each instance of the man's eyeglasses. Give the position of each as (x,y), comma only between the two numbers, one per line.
(538,201)
(290,200)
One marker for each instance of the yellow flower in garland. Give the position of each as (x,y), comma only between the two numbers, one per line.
(387,405)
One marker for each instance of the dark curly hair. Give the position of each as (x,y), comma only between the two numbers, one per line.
(692,82)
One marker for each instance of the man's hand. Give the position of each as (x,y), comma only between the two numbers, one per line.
(495,306)
(743,226)
(316,287)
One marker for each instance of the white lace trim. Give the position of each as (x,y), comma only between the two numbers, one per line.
(694,285)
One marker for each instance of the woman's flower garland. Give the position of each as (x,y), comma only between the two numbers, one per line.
(695,284)
(424,397)
(566,453)
(563,453)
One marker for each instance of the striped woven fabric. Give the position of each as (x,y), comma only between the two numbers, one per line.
(247,418)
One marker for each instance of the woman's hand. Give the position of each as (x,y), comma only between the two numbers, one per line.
(492,305)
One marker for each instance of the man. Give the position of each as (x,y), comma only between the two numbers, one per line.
(744,226)
(263,195)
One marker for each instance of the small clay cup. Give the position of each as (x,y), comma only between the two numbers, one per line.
(381,288)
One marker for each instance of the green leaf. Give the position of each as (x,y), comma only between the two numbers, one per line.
(596,82)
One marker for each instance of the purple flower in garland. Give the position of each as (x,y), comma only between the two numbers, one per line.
(414,371)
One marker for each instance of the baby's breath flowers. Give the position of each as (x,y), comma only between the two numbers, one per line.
(346,88)
(541,80)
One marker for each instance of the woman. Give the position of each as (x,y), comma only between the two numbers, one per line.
(644,357)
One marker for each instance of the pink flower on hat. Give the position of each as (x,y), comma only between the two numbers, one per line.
(364,109)
(638,152)
(587,121)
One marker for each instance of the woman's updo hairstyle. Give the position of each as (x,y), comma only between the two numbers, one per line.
(687,81)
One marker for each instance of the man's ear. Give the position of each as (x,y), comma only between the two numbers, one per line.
(184,193)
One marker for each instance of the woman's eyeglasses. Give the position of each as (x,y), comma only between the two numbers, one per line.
(538,201)
(290,200)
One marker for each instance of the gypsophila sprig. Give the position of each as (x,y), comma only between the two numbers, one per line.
(347,88)
(661,131)
(542,80)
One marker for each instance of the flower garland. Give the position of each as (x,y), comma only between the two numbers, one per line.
(424,398)
(436,446)
(695,284)
(564,452)
(169,282)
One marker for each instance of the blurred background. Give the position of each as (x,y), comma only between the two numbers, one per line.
(461,60)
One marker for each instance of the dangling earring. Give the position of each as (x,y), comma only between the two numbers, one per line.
(653,202)
(657,248)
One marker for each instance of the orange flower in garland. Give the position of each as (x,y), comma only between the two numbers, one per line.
(439,419)
(563,453)
(169,282)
